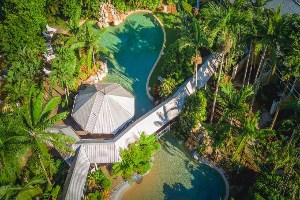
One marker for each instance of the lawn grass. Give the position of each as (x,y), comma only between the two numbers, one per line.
(173,27)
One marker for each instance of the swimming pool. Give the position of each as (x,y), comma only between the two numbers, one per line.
(135,46)
(175,176)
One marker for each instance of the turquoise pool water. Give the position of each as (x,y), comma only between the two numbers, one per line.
(175,176)
(135,45)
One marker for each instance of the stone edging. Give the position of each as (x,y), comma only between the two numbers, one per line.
(221,172)
(120,190)
(158,58)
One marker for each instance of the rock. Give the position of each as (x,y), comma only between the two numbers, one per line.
(117,22)
(99,24)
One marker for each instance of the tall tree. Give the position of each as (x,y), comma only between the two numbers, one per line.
(225,24)
(36,119)
(290,48)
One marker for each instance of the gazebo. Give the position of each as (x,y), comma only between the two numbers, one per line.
(103,108)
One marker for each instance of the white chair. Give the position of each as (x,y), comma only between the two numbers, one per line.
(47,72)
(49,29)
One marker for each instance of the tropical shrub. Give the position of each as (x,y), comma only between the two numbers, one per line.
(177,62)
(137,158)
(167,87)
(99,180)
(193,112)
(95,195)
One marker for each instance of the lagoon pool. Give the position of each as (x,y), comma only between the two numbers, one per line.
(175,176)
(135,46)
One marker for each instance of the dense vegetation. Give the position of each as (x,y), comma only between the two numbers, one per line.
(27,169)
(97,183)
(137,158)
(261,159)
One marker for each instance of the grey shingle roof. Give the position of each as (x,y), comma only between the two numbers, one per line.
(103,108)
(75,181)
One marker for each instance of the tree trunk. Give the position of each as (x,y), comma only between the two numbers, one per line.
(260,64)
(246,70)
(216,91)
(257,78)
(278,106)
(93,53)
(250,71)
(44,169)
(196,72)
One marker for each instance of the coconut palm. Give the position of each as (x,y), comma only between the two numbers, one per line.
(87,41)
(249,135)
(233,102)
(270,26)
(226,24)
(26,191)
(36,119)
(13,152)
(64,70)
(194,37)
(290,56)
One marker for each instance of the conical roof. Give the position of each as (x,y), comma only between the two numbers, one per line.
(103,108)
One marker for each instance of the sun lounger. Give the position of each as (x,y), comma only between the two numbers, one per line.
(48,58)
(49,29)
(46,71)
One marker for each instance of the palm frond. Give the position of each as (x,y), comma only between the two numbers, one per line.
(29,193)
(51,104)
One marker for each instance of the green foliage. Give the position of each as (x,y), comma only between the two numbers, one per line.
(193,112)
(72,11)
(177,62)
(282,182)
(167,87)
(98,178)
(64,68)
(22,27)
(224,24)
(90,8)
(137,158)
(23,138)
(27,191)
(22,44)
(95,195)
(186,7)
(233,102)
(125,5)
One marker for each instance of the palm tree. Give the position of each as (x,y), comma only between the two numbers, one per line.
(194,38)
(226,24)
(248,135)
(64,70)
(270,26)
(86,40)
(234,102)
(36,119)
(290,58)
(26,191)
(13,152)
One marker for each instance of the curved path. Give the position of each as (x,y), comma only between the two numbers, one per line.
(151,122)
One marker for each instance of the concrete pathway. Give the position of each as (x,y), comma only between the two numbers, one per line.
(288,6)
(154,120)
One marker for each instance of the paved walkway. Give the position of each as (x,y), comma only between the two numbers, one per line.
(107,151)
(288,6)
(163,113)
